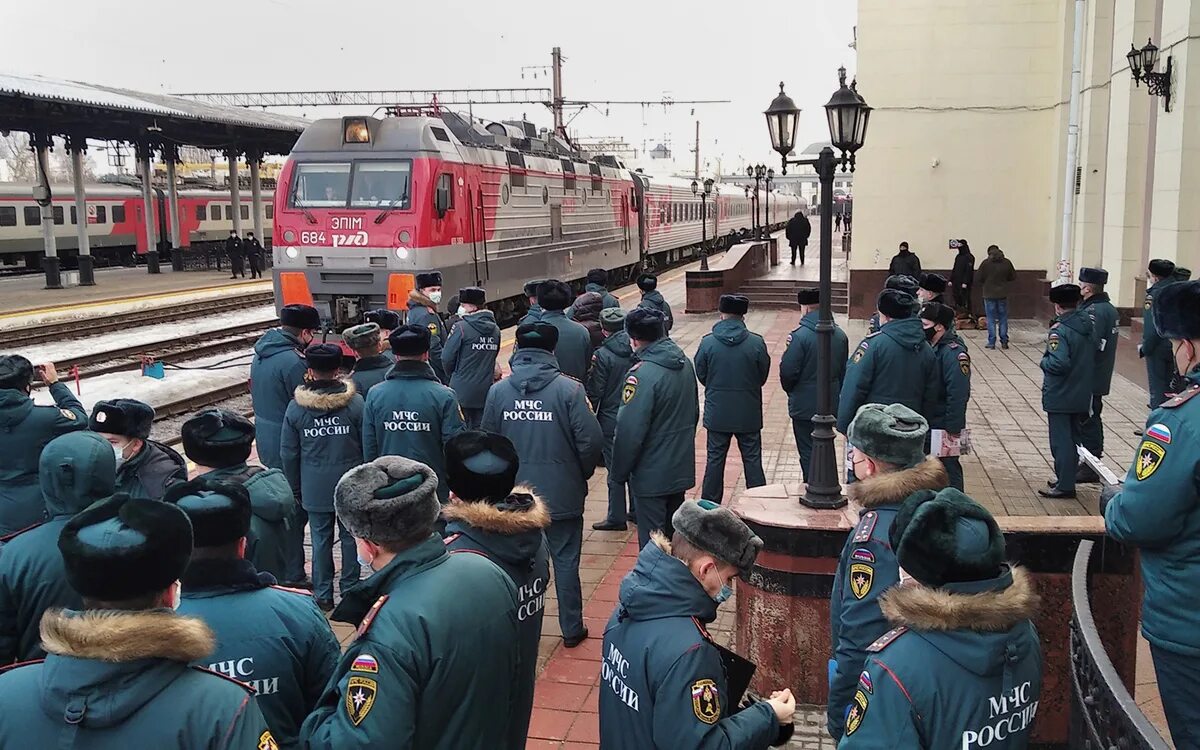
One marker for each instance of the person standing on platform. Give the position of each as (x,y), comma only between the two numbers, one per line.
(1153,348)
(487,515)
(469,358)
(254,255)
(387,320)
(932,288)
(654,449)
(837,222)
(322,440)
(534,314)
(891,464)
(118,674)
(26,428)
(797,232)
(77,469)
(548,420)
(144,468)
(422,311)
(1068,372)
(947,423)
(439,638)
(963,628)
(453,318)
(233,249)
(1104,333)
(586,312)
(798,372)
(733,366)
(1156,510)
(962,276)
(411,413)
(996,274)
(905,263)
(652,299)
(906,284)
(373,358)
(272,638)
(597,281)
(574,350)
(610,365)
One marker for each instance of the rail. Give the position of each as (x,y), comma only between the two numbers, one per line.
(1103,713)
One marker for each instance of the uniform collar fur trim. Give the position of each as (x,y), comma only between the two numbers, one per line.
(894,486)
(507,522)
(924,608)
(120,636)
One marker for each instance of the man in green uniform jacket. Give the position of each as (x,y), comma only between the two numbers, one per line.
(436,662)
(272,638)
(890,461)
(1153,348)
(470,354)
(24,429)
(610,365)
(488,515)
(733,365)
(144,468)
(962,666)
(219,441)
(655,446)
(422,311)
(652,299)
(374,357)
(1157,510)
(77,469)
(597,281)
(906,284)
(411,413)
(534,313)
(1104,334)
(798,372)
(1068,366)
(954,368)
(574,350)
(118,675)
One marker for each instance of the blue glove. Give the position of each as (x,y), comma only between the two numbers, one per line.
(832,672)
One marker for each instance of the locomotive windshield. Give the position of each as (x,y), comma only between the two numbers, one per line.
(363,184)
(381,183)
(321,185)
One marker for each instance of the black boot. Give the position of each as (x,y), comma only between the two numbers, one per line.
(1085,474)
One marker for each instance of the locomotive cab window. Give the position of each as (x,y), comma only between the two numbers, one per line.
(381,184)
(568,173)
(320,185)
(445,192)
(516,168)
(597,180)
(8,216)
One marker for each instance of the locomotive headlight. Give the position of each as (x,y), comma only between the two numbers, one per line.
(402,253)
(404,237)
(289,235)
(291,252)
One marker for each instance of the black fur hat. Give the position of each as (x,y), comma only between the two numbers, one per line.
(531,287)
(1093,276)
(428,279)
(122,416)
(16,372)
(472,295)
(1181,274)
(644,324)
(121,548)
(938,313)
(809,296)
(323,357)
(409,340)
(1177,310)
(647,282)
(553,294)
(537,336)
(219,511)
(304,317)
(933,282)
(217,438)
(734,304)
(895,304)
(946,537)
(902,282)
(385,319)
(1161,268)
(597,276)
(719,532)
(481,466)
(1067,295)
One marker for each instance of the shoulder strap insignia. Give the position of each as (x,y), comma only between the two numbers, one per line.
(1177,400)
(866,527)
(244,686)
(953,345)
(301,592)
(703,630)
(571,377)
(365,625)
(634,366)
(450,539)
(886,639)
(19,532)
(874,333)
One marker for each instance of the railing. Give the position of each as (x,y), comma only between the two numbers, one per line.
(1103,713)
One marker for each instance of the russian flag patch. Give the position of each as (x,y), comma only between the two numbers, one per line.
(1159,432)
(365,663)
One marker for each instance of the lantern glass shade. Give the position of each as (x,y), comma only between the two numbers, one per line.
(848,114)
(783,116)
(1134,56)
(708,186)
(695,186)
(1149,56)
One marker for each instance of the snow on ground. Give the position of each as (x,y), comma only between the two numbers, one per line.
(166,332)
(108,307)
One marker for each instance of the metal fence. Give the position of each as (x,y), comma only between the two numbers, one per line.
(1104,715)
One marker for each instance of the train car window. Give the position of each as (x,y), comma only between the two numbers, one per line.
(58,214)
(245,213)
(229,211)
(568,172)
(662,216)
(216,212)
(515,161)
(201,212)
(446,182)
(440,134)
(118,214)
(320,185)
(270,211)
(597,180)
(381,184)
(8,216)
(74,215)
(33,216)
(101,214)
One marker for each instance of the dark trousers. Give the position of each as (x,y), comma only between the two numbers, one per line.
(616,491)
(293,566)
(802,428)
(962,297)
(473,418)
(322,526)
(953,467)
(255,267)
(800,247)
(565,539)
(237,266)
(654,514)
(1065,433)
(1158,377)
(749,445)
(1092,436)
(1180,695)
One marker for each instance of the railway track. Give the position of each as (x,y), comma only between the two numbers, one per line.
(39,334)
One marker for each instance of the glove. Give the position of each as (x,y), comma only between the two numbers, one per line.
(832,672)
(1107,493)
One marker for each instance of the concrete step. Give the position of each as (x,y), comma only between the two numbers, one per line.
(761,285)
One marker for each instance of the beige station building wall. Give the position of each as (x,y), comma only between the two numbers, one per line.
(969,134)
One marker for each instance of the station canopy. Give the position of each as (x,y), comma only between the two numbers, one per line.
(35,104)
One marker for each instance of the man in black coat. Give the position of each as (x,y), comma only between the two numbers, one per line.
(254,254)
(905,263)
(798,230)
(233,248)
(145,468)
(962,276)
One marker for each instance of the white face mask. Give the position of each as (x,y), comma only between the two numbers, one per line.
(119,454)
(435,297)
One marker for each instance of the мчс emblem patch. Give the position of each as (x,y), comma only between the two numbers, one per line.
(433,329)
(1149,457)
(360,696)
(861,577)
(705,702)
(630,388)
(267,742)
(1052,342)
(857,712)
(964,363)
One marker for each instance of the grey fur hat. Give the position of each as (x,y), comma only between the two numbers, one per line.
(893,433)
(390,499)
(719,532)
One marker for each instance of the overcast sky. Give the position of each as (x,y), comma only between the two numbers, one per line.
(621,49)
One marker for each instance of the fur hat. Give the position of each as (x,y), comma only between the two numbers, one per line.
(553,294)
(1181,274)
(217,438)
(647,282)
(938,313)
(1093,275)
(390,499)
(810,296)
(1161,268)
(304,317)
(122,416)
(363,336)
(323,357)
(894,434)
(472,295)
(428,279)
(16,372)
(895,304)
(644,324)
(409,340)
(946,537)
(1177,310)
(481,466)
(717,531)
(903,283)
(734,304)
(385,319)
(531,287)
(933,282)
(597,276)
(537,336)
(219,511)
(1067,295)
(612,319)
(121,548)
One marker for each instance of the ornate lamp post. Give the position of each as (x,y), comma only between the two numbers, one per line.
(847,114)
(1142,63)
(708,187)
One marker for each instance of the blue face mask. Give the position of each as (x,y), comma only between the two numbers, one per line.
(724,594)
(363,562)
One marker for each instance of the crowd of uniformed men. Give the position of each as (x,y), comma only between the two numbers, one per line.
(128,591)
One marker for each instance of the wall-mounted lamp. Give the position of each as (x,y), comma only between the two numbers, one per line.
(1141,65)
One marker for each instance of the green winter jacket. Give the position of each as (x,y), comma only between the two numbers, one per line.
(370,371)
(423,312)
(533,315)
(436,662)
(655,446)
(574,348)
(1068,364)
(954,391)
(277,370)
(894,366)
(798,367)
(655,301)
(274,506)
(470,358)
(321,440)
(1104,336)
(148,474)
(733,365)
(610,364)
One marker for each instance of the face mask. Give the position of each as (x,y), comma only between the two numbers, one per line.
(176,594)
(1185,366)
(723,595)
(119,454)
(435,297)
(365,562)
(930,333)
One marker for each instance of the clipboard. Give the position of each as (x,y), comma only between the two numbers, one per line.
(738,672)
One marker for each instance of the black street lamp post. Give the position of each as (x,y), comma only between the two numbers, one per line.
(847,113)
(767,208)
(759,173)
(708,187)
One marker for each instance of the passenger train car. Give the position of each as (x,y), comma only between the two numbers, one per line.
(116,230)
(363,204)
